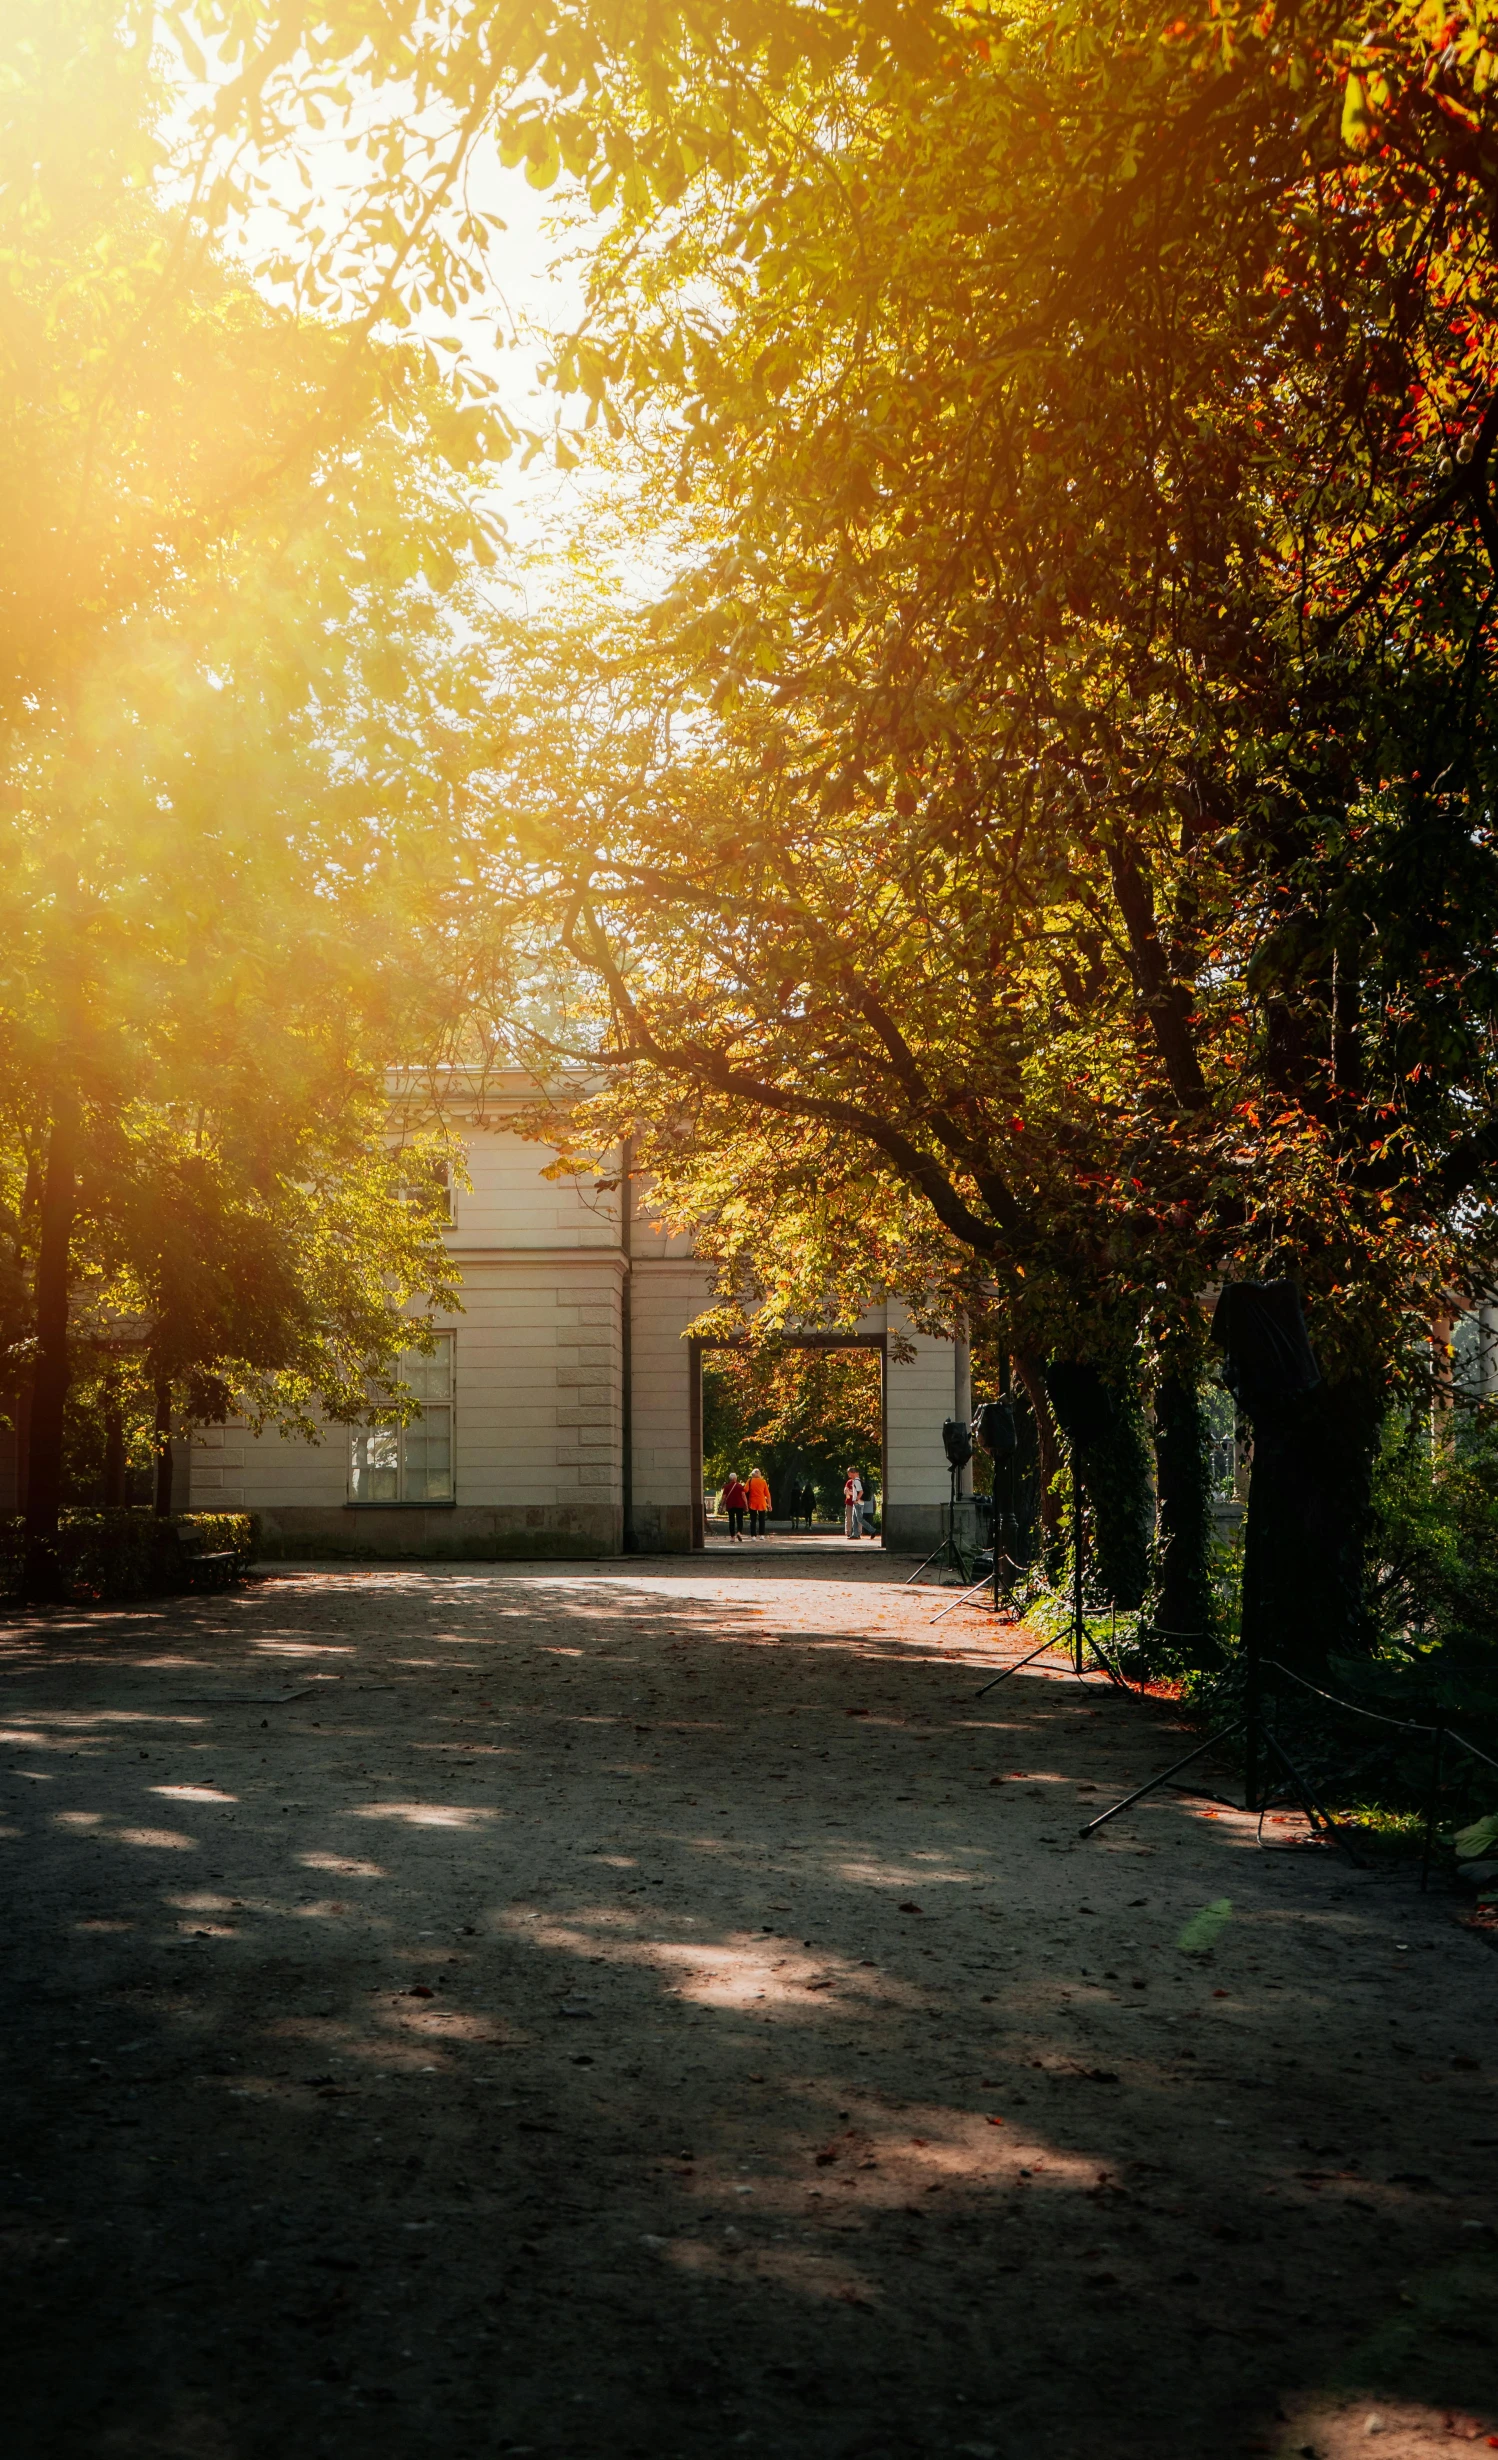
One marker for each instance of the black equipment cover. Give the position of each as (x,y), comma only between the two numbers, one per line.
(1262,1328)
(995,1430)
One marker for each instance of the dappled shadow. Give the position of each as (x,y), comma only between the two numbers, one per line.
(621,2013)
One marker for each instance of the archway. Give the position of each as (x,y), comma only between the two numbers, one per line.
(871,1345)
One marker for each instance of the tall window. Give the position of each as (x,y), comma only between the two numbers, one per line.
(411,1463)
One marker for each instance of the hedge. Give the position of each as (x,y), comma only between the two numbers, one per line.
(117,1555)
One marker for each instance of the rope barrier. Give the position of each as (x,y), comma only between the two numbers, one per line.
(1401,1725)
(1260,1731)
(1404,1725)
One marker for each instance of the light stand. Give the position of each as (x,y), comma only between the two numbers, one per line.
(1080,1638)
(994,1430)
(1259,1738)
(958,1445)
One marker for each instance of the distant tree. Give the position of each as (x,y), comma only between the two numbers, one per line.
(232,882)
(802,1415)
(153,402)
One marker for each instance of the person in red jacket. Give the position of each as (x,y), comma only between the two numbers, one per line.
(735,1502)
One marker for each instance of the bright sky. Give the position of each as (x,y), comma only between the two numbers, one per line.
(498,332)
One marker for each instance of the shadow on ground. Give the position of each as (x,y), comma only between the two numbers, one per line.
(660,2010)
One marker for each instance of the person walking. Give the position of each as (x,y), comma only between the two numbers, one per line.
(735,1502)
(758,1493)
(852,1505)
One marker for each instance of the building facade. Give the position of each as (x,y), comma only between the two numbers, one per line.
(562,1412)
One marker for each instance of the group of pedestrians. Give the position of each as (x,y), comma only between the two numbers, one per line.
(749,1500)
(737,1500)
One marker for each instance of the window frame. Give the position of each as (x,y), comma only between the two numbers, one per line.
(400,1501)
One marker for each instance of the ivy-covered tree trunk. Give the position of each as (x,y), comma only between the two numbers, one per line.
(163,1448)
(50,1381)
(114,1443)
(1031,1374)
(1184,1604)
(1105,1430)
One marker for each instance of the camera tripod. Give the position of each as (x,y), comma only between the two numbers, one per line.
(1262,1753)
(949,1553)
(1082,1642)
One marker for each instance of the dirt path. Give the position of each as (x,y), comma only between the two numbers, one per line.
(655,2009)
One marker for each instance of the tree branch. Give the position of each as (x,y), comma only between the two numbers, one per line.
(1167,1000)
(708,1067)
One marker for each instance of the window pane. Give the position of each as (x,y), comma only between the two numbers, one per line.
(429,1378)
(373,1465)
(412,1464)
(428,1451)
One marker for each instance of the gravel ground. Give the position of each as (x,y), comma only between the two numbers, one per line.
(658,2009)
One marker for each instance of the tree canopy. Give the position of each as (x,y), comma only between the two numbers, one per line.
(231,890)
(1035,851)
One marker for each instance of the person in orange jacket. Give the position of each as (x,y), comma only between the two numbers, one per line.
(759,1502)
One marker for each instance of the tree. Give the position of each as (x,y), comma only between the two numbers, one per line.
(228,912)
(153,401)
(1053,790)
(233,886)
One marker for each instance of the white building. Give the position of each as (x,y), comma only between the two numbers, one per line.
(562,1413)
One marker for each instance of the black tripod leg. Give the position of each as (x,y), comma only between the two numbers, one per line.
(1106,1662)
(1019,1664)
(953,1603)
(926,1566)
(1163,1778)
(1316,1812)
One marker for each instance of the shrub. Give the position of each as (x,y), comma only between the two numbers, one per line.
(1433,1566)
(117,1555)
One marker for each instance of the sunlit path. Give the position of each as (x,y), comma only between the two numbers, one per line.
(656,2009)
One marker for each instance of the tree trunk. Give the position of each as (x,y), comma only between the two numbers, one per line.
(163,1450)
(114,1446)
(1032,1376)
(50,1382)
(1184,1609)
(1103,1427)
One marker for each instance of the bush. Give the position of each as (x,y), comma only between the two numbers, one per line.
(1433,1567)
(117,1555)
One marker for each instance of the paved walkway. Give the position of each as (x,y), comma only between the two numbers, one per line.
(802,1541)
(655,2010)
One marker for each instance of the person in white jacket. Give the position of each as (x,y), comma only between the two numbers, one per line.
(852,1505)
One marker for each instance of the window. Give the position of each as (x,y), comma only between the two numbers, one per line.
(430,1188)
(411,1463)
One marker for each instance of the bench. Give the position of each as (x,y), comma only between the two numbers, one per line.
(215,1571)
